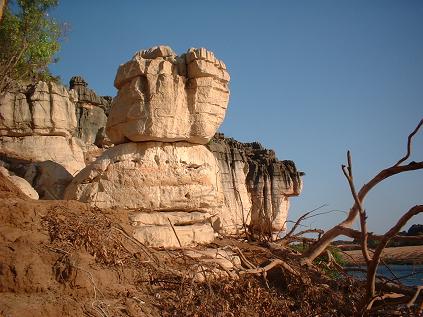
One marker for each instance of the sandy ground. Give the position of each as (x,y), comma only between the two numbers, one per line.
(398,255)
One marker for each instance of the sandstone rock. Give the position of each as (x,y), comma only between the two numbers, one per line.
(37,123)
(51,179)
(177,218)
(39,109)
(164,97)
(269,183)
(35,148)
(21,183)
(233,169)
(48,178)
(164,236)
(91,113)
(151,176)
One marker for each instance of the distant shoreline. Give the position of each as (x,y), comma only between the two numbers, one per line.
(397,255)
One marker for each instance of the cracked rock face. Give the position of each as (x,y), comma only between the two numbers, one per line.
(41,109)
(168,98)
(91,113)
(38,122)
(151,177)
(256,185)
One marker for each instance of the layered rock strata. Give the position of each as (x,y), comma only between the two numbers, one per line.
(91,113)
(48,132)
(37,123)
(173,189)
(167,108)
(165,97)
(151,177)
(256,185)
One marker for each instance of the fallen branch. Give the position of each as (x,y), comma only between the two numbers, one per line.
(273,263)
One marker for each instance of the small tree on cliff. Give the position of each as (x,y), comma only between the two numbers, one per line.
(29,39)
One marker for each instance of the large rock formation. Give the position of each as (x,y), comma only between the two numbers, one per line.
(91,113)
(179,190)
(151,176)
(40,109)
(37,123)
(165,97)
(256,185)
(164,184)
(172,185)
(47,132)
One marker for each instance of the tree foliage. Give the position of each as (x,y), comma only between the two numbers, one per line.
(29,40)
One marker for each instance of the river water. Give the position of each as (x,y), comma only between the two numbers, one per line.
(410,275)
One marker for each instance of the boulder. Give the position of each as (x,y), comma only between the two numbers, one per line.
(151,176)
(38,123)
(49,179)
(20,183)
(36,148)
(165,97)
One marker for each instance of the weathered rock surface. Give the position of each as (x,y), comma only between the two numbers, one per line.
(164,236)
(52,132)
(36,148)
(91,113)
(177,218)
(21,183)
(165,97)
(263,194)
(151,176)
(40,109)
(48,178)
(37,123)
(233,170)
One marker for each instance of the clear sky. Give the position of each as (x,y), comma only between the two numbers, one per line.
(309,79)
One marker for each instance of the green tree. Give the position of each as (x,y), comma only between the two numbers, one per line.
(29,40)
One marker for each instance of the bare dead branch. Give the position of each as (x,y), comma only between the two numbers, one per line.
(373,264)
(410,138)
(176,235)
(413,299)
(301,218)
(242,257)
(383,297)
(319,231)
(347,170)
(317,248)
(271,265)
(355,234)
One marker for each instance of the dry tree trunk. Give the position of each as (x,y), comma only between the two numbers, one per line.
(3,4)
(342,228)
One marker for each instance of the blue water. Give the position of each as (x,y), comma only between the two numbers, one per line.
(410,275)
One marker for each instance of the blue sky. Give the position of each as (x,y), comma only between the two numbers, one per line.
(309,79)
